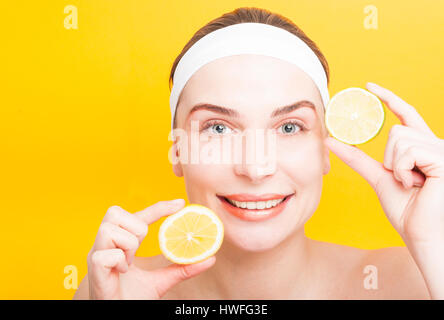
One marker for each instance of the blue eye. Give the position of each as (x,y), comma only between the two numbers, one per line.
(219,128)
(290,128)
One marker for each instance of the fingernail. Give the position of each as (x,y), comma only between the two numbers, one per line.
(177,201)
(418,185)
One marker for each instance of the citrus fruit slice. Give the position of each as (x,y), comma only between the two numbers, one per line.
(190,235)
(354,116)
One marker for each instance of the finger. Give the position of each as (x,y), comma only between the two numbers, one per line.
(160,209)
(167,277)
(408,178)
(400,132)
(405,112)
(111,236)
(402,169)
(130,222)
(102,262)
(370,169)
(418,158)
(104,269)
(418,178)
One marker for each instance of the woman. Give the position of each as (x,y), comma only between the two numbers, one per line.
(269,257)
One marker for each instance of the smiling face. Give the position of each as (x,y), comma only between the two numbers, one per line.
(259,208)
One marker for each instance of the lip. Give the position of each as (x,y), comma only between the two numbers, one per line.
(255,214)
(252,197)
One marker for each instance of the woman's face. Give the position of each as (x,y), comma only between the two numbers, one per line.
(260,95)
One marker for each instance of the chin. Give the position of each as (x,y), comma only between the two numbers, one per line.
(252,242)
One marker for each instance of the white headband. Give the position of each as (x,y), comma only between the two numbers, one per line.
(248,38)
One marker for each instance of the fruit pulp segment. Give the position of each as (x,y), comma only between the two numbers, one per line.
(191,235)
(355,116)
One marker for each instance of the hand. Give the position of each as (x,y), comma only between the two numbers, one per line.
(119,236)
(410,182)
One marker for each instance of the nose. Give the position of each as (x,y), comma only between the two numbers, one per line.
(256,163)
(256,173)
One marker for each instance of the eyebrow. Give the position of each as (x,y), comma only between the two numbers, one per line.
(289,108)
(216,109)
(233,113)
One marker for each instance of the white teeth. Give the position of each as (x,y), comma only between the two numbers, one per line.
(261,205)
(253,205)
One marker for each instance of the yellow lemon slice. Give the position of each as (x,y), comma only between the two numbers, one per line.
(191,235)
(354,116)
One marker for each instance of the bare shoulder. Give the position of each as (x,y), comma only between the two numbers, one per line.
(388,273)
(399,276)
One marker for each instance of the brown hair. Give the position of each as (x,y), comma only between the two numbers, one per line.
(249,14)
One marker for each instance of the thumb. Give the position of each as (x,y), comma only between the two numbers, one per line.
(166,278)
(358,160)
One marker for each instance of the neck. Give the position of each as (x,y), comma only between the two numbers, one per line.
(279,273)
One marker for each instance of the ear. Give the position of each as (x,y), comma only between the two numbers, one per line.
(177,166)
(326,160)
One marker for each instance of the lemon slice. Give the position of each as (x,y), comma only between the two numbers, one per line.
(191,235)
(354,116)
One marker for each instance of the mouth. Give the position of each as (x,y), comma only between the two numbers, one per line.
(255,208)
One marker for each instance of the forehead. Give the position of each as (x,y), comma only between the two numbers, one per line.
(246,81)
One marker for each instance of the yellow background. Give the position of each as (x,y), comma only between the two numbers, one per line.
(84,117)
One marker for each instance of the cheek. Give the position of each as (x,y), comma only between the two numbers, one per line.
(301,158)
(204,179)
(200,177)
(201,165)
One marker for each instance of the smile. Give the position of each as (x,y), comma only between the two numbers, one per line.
(254,205)
(254,208)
